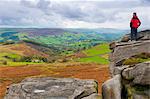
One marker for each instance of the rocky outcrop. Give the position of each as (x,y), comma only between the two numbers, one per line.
(142,35)
(140,73)
(126,50)
(127,59)
(53,88)
(112,88)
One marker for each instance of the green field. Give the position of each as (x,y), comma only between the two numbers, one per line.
(63,43)
(20,63)
(95,54)
(9,56)
(95,59)
(8,59)
(98,50)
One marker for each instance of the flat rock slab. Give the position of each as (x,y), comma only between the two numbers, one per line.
(52,88)
(126,50)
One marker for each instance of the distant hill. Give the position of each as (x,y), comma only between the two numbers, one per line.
(26,33)
(66,40)
(26,52)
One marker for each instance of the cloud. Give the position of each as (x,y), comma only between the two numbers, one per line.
(146,2)
(41,4)
(73,13)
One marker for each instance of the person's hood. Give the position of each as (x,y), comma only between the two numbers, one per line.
(135,17)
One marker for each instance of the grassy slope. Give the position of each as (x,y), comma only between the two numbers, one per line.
(17,51)
(70,69)
(98,50)
(13,55)
(97,54)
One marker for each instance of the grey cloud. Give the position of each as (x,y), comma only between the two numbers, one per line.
(54,13)
(27,3)
(14,13)
(94,13)
(68,11)
(43,4)
(74,11)
(119,4)
(146,2)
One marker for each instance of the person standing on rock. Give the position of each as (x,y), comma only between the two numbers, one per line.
(134,24)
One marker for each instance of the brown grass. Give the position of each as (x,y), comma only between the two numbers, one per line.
(21,49)
(9,75)
(77,55)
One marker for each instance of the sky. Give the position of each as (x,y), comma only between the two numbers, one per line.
(73,13)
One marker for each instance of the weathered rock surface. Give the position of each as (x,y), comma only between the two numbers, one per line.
(140,73)
(125,38)
(134,82)
(118,70)
(138,96)
(126,50)
(142,35)
(53,88)
(111,89)
(93,96)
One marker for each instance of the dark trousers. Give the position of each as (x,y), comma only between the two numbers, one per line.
(134,35)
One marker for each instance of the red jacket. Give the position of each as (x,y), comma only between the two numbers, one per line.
(135,22)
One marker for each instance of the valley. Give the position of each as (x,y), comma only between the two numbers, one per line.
(70,53)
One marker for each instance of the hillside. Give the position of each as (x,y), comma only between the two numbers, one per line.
(73,53)
(130,75)
(39,44)
(65,40)
(28,53)
(25,53)
(81,69)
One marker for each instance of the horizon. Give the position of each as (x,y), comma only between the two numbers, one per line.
(68,28)
(114,14)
